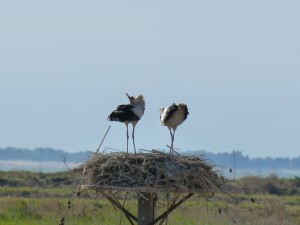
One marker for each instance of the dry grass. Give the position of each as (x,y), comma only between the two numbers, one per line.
(154,170)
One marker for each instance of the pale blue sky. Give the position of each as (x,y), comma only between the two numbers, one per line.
(65,65)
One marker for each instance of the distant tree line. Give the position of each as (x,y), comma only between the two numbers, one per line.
(240,161)
(42,154)
(227,159)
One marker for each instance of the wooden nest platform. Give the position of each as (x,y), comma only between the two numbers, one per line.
(152,171)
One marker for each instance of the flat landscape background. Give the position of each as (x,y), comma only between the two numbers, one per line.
(54,160)
(65,65)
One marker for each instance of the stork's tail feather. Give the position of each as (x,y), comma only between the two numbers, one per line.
(114,116)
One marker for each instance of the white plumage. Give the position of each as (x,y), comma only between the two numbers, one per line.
(172,117)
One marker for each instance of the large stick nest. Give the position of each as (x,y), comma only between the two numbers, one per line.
(153,170)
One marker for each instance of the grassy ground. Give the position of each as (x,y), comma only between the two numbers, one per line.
(266,210)
(35,199)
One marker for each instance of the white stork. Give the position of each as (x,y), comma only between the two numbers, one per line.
(172,117)
(130,113)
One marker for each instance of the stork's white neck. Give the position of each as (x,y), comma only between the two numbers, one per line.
(139,109)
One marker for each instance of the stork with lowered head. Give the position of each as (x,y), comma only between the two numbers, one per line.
(172,116)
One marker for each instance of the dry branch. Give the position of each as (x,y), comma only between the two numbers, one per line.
(154,170)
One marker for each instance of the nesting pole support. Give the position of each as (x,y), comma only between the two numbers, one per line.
(182,175)
(146,208)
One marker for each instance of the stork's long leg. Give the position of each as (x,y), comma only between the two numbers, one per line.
(171,148)
(127,136)
(133,128)
(173,137)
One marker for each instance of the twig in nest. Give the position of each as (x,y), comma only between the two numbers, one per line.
(112,149)
(153,170)
(103,138)
(144,150)
(65,162)
(172,150)
(169,147)
(143,196)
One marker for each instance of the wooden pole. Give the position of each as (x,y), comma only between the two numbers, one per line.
(146,208)
(173,207)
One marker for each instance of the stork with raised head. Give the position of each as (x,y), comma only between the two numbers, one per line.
(172,117)
(129,113)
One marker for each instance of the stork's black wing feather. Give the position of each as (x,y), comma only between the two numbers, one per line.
(123,113)
(124,107)
(186,113)
(171,109)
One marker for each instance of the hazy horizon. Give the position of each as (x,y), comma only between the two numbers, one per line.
(52,160)
(106,149)
(66,65)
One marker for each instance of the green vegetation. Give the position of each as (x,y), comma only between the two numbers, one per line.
(267,210)
(270,185)
(50,199)
(29,179)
